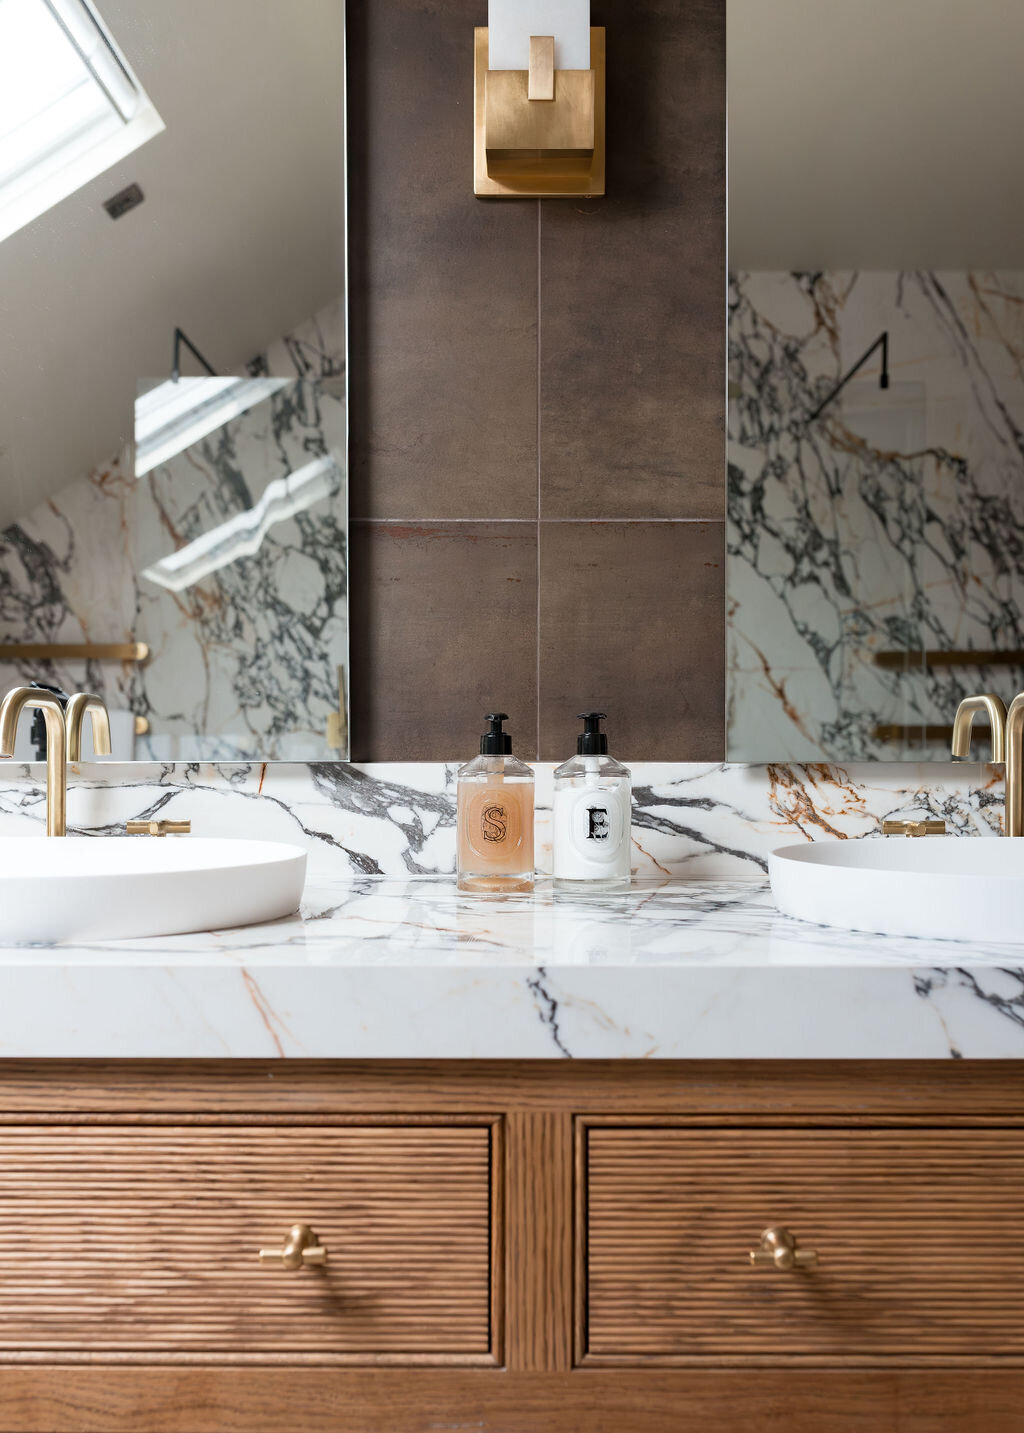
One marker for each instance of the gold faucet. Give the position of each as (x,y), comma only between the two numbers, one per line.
(968,709)
(74,717)
(61,732)
(1007,745)
(1014,822)
(11,708)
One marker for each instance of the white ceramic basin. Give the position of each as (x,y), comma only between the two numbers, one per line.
(948,887)
(111,887)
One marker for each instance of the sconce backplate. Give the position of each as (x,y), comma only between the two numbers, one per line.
(554,158)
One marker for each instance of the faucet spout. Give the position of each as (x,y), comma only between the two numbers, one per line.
(80,704)
(32,699)
(968,709)
(1014,823)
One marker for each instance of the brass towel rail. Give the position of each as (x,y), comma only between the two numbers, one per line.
(74,651)
(913,732)
(964,658)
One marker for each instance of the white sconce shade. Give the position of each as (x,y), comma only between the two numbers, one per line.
(510,23)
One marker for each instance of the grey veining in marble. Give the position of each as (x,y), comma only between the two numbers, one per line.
(894,521)
(245,661)
(694,821)
(413,969)
(388,959)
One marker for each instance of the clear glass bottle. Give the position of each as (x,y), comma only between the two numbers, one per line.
(495,817)
(592,810)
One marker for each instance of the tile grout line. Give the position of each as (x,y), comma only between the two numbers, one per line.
(536,695)
(530,522)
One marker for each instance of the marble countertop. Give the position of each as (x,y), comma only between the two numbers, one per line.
(413,969)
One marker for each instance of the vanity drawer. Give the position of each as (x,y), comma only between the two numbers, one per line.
(919,1235)
(121,1239)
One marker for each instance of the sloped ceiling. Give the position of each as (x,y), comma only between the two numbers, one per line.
(240,236)
(876,134)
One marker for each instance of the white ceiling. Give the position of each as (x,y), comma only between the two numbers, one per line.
(876,134)
(240,236)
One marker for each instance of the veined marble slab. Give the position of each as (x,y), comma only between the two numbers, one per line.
(244,659)
(689,820)
(413,969)
(891,522)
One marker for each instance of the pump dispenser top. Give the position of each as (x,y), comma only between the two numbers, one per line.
(496,742)
(592,741)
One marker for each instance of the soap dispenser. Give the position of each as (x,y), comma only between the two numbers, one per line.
(495,816)
(592,807)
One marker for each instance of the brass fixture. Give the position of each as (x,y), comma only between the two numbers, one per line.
(74,718)
(539,133)
(141,726)
(541,85)
(14,703)
(337,722)
(1012,748)
(63,740)
(991,706)
(158,828)
(912,735)
(778,1250)
(914,828)
(301,1247)
(74,651)
(1013,822)
(966,657)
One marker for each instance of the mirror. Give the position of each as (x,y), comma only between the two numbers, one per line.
(173,415)
(876,375)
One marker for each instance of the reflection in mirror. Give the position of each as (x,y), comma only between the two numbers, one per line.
(876,376)
(178,543)
(238,541)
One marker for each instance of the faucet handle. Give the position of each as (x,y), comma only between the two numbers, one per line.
(158,828)
(914,828)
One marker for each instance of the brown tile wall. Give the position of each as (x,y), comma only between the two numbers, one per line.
(538,402)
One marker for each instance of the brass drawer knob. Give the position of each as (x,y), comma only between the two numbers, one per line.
(778,1250)
(301,1247)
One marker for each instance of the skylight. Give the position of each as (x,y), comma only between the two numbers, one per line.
(244,534)
(70,107)
(179,412)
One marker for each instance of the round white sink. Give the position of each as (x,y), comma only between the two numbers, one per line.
(112,887)
(945,887)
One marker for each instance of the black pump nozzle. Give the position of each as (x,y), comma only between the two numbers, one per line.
(496,742)
(592,741)
(37,732)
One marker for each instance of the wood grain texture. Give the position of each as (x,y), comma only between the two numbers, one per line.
(236,1400)
(540,1240)
(919,1235)
(708,1091)
(527,1114)
(119,1241)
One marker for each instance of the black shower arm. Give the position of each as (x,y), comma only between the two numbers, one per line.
(183,338)
(881,342)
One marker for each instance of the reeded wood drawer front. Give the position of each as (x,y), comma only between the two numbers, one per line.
(121,1239)
(919,1233)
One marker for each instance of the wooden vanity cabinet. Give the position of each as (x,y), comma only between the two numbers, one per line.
(511,1248)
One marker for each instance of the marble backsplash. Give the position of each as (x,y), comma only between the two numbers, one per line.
(689,821)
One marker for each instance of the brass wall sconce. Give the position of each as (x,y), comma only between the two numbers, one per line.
(539,132)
